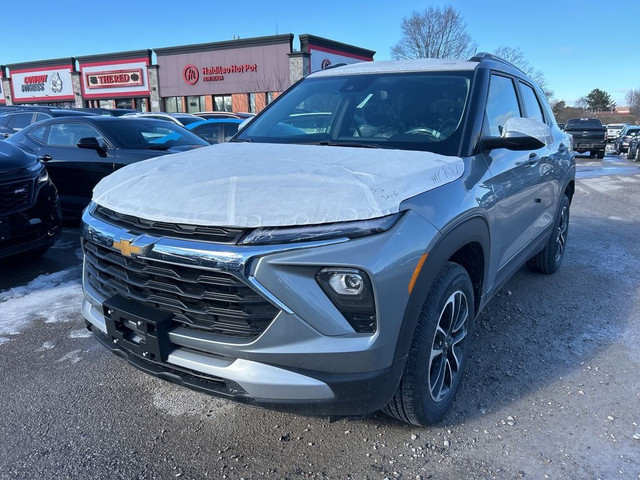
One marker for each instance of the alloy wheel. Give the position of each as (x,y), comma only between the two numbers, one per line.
(447,348)
(561,233)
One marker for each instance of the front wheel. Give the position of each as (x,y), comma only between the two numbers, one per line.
(439,350)
(549,259)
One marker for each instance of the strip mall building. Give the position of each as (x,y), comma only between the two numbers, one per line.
(240,75)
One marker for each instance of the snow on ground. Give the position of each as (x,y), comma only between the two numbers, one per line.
(52,298)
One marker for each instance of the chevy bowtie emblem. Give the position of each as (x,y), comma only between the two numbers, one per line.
(125,248)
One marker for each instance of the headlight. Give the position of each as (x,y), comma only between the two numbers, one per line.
(43,175)
(309,233)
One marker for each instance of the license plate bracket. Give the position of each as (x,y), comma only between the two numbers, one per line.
(138,328)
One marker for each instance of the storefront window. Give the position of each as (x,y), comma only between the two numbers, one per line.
(195,104)
(222,103)
(269,98)
(251,101)
(124,103)
(173,104)
(53,104)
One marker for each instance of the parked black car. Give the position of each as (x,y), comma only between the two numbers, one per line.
(79,151)
(633,152)
(107,112)
(13,122)
(29,210)
(622,142)
(588,135)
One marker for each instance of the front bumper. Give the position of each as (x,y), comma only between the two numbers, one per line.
(309,359)
(31,228)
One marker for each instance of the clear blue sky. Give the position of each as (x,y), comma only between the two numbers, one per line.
(578,45)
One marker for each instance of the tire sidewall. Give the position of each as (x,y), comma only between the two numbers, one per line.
(425,408)
(555,263)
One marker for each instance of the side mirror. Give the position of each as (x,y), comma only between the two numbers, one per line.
(522,142)
(92,143)
(520,134)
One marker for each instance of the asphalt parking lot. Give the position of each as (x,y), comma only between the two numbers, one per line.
(552,389)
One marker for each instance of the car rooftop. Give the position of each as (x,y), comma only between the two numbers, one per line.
(398,66)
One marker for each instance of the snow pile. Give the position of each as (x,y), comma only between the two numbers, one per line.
(55,297)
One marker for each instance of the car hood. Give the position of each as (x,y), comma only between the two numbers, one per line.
(258,184)
(12,158)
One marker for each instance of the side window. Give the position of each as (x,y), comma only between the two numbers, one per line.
(502,104)
(531,103)
(69,134)
(42,116)
(230,130)
(39,134)
(21,120)
(210,132)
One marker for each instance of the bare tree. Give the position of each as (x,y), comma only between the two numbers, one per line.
(435,33)
(516,57)
(582,103)
(275,81)
(557,106)
(633,100)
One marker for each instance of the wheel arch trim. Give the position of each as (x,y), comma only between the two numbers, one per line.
(474,230)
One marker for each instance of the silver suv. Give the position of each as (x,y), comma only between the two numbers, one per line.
(332,258)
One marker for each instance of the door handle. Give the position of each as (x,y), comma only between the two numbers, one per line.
(45,158)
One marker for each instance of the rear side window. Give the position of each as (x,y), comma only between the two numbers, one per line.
(230,130)
(69,134)
(42,116)
(21,120)
(210,132)
(40,133)
(531,103)
(502,104)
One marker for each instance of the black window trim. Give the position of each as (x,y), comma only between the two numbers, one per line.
(107,143)
(536,96)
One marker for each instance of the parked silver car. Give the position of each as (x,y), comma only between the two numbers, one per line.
(331,259)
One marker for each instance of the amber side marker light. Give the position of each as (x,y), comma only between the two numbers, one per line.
(416,272)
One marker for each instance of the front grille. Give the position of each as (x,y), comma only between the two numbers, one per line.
(215,302)
(166,229)
(15,196)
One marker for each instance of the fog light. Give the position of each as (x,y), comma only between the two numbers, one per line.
(347,283)
(350,290)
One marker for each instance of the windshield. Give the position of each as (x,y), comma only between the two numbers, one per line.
(140,134)
(418,111)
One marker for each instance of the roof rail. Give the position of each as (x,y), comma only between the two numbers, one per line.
(480,56)
(334,65)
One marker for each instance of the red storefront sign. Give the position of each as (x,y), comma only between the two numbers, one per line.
(191,74)
(114,78)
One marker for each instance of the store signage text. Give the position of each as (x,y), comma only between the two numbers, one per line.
(215,74)
(37,83)
(34,83)
(117,78)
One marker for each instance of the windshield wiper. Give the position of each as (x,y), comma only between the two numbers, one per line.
(348,144)
(159,147)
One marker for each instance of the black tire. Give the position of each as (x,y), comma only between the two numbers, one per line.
(549,259)
(629,156)
(637,155)
(439,350)
(600,154)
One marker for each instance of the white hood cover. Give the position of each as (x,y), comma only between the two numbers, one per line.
(258,184)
